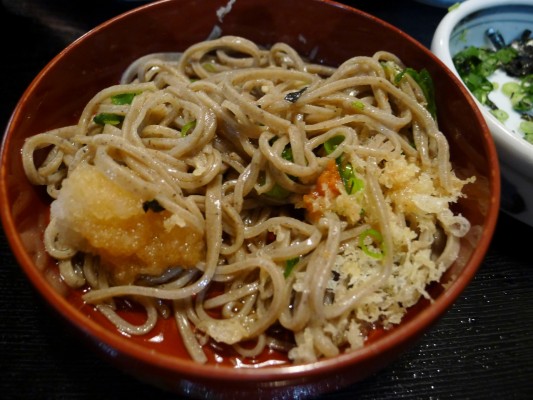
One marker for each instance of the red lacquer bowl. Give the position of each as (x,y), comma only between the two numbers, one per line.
(332,33)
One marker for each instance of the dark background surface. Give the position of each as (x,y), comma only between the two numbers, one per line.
(481,349)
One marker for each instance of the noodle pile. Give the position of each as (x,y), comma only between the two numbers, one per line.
(246,192)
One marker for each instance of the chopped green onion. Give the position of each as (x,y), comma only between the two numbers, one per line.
(522,102)
(187,127)
(500,114)
(510,88)
(359,105)
(377,240)
(108,118)
(520,94)
(526,84)
(424,80)
(286,154)
(476,64)
(123,98)
(454,7)
(278,192)
(289,266)
(527,128)
(331,144)
(352,184)
(209,67)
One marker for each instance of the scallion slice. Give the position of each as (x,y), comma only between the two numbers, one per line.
(108,118)
(377,243)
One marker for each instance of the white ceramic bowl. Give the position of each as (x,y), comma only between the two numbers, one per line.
(465,25)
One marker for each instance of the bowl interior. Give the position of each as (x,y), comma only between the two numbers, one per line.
(511,20)
(329,33)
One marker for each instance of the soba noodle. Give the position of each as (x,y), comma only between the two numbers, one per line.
(246,191)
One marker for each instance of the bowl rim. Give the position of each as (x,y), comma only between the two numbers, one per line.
(112,342)
(510,146)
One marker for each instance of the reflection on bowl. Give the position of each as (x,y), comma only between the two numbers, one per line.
(465,26)
(321,30)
